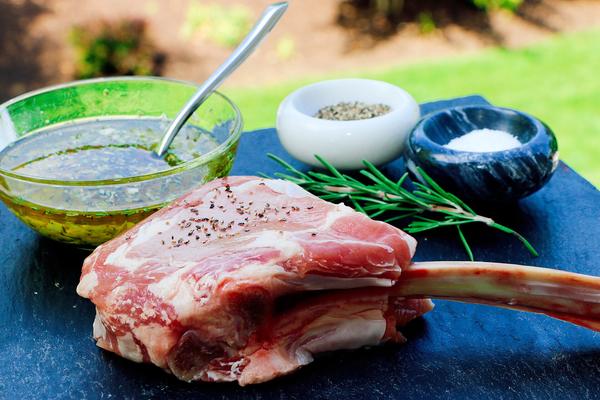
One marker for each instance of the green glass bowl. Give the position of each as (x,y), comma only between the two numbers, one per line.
(58,209)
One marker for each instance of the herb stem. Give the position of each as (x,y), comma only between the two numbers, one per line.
(426,207)
(465,243)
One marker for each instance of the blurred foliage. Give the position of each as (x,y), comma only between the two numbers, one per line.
(115,48)
(223,25)
(383,17)
(426,22)
(531,79)
(286,48)
(511,5)
(393,8)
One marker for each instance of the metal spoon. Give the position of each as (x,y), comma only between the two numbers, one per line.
(265,24)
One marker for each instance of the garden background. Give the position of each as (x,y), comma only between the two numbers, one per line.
(540,56)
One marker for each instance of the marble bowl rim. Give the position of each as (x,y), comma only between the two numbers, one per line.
(426,142)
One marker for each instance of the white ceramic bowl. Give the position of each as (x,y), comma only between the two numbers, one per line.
(346,143)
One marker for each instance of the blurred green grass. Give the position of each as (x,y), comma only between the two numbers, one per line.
(557,80)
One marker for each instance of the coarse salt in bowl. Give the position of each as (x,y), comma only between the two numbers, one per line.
(484,140)
(345,144)
(486,170)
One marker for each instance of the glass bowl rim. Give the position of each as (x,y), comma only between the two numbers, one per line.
(236,132)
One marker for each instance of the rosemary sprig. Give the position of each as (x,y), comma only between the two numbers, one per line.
(427,207)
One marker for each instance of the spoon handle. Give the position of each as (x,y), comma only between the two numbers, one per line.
(261,29)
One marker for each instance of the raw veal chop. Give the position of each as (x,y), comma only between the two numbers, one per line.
(246,279)
(214,286)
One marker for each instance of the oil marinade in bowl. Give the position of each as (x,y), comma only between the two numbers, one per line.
(77,161)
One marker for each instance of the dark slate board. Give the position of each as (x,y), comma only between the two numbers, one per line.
(457,351)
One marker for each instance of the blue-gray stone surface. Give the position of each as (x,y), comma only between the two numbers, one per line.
(457,351)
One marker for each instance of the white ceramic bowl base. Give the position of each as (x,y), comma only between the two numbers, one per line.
(346,143)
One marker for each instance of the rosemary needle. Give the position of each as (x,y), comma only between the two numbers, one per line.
(426,207)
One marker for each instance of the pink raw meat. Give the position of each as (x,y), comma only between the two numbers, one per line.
(245,279)
(222,284)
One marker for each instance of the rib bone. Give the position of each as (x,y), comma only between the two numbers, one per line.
(559,294)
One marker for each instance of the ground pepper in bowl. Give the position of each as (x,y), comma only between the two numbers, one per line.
(352,111)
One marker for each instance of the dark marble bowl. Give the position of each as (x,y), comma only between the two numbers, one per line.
(490,177)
